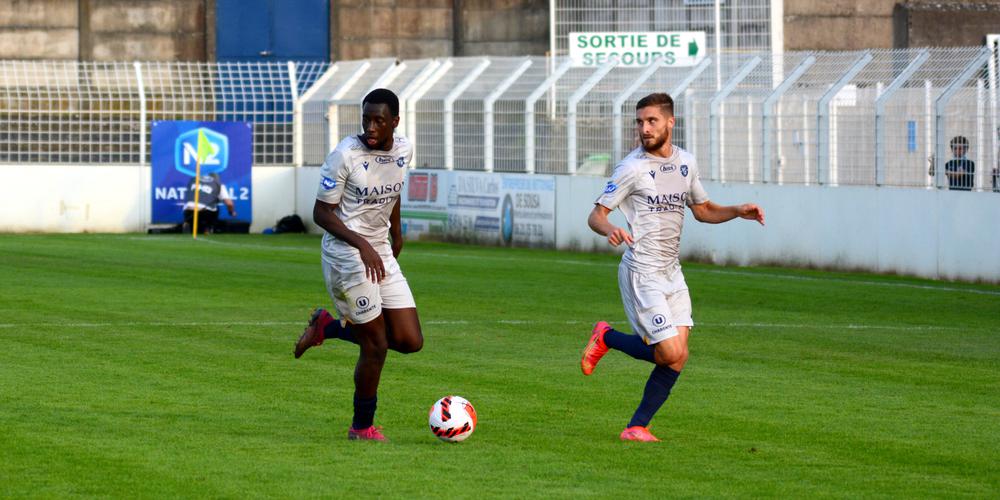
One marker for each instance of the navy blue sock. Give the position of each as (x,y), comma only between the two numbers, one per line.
(629,344)
(334,330)
(364,412)
(657,391)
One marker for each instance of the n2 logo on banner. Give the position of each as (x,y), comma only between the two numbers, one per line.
(226,150)
(186,152)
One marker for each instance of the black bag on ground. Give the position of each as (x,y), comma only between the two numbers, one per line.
(290,224)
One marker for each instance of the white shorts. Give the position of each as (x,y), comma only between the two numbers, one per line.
(359,300)
(655,303)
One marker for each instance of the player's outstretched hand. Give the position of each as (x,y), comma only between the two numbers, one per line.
(751,211)
(374,268)
(618,235)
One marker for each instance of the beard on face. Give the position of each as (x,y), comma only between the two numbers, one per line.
(654,143)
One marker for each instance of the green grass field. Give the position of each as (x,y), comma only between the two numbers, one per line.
(118,379)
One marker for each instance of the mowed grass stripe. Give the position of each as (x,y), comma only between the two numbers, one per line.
(120,377)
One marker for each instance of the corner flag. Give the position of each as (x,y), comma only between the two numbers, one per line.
(204,149)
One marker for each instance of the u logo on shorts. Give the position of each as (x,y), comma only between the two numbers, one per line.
(659,320)
(362,302)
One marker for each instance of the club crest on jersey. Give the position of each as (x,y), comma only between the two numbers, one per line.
(667,168)
(610,188)
(684,170)
(382,159)
(400,162)
(365,164)
(328,183)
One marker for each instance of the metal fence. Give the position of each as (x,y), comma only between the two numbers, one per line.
(879,117)
(92,112)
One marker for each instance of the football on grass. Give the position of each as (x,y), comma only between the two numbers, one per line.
(452,419)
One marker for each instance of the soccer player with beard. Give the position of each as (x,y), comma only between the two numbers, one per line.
(652,186)
(357,204)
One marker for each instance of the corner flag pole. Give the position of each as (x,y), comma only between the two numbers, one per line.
(197,189)
(204,149)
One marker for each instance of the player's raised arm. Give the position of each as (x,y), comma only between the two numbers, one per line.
(599,223)
(714,214)
(324,215)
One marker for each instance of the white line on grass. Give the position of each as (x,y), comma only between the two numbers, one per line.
(811,326)
(731,272)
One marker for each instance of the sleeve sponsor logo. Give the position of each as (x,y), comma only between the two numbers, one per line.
(328,183)
(610,188)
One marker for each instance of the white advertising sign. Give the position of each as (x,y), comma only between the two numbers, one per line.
(637,48)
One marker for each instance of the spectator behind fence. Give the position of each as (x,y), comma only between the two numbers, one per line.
(212,192)
(961,171)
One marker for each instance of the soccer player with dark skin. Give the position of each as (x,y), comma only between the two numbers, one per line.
(652,186)
(360,187)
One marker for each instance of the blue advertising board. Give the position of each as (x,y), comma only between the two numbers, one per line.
(174,156)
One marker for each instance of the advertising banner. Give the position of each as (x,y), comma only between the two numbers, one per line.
(174,157)
(505,209)
(424,212)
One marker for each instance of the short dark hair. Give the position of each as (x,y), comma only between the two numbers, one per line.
(959,140)
(383,96)
(663,100)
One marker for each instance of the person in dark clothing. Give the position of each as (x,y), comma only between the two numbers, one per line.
(212,192)
(961,171)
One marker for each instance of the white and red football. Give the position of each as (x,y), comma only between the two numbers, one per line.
(452,419)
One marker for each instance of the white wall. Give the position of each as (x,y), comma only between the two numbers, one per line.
(929,233)
(112,199)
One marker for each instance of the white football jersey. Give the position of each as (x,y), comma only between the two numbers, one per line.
(652,193)
(365,184)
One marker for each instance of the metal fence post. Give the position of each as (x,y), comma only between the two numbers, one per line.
(488,103)
(823,117)
(768,114)
(880,103)
(142,112)
(332,118)
(571,104)
(714,108)
(418,94)
(616,106)
(404,95)
(529,114)
(388,75)
(293,87)
(939,110)
(449,112)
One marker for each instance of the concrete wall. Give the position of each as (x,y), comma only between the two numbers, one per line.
(928,233)
(865,24)
(838,24)
(412,29)
(945,24)
(508,28)
(39,29)
(122,30)
(104,30)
